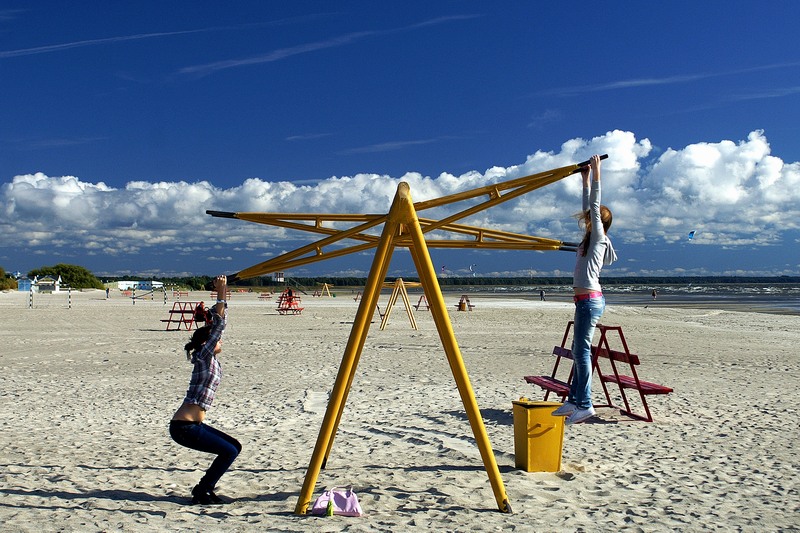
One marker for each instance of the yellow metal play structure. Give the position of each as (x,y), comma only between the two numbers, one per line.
(403,228)
(326,289)
(398,289)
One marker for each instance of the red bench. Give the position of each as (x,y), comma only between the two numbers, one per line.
(554,383)
(181,314)
(645,388)
(289,305)
(214,296)
(423,301)
(551,383)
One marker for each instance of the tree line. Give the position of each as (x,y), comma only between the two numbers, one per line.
(73,276)
(79,277)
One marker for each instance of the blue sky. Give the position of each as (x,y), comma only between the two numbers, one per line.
(121,124)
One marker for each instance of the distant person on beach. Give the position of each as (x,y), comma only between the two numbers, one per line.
(655,294)
(187,427)
(541,295)
(594,251)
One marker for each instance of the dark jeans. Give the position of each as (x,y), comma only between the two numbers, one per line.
(204,438)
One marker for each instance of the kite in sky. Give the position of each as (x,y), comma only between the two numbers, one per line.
(691,235)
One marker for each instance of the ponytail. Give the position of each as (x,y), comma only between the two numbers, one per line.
(198,339)
(606,217)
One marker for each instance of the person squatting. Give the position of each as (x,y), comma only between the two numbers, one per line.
(187,426)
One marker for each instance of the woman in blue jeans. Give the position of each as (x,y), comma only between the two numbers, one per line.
(187,427)
(593,252)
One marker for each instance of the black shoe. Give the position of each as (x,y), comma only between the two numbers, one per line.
(216,500)
(204,497)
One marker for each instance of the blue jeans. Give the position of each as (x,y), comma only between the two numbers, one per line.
(204,438)
(587,315)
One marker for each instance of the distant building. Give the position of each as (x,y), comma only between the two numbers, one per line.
(149,285)
(46,284)
(139,285)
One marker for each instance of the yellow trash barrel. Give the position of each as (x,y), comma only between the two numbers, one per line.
(538,436)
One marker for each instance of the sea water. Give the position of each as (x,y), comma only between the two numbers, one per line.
(776,298)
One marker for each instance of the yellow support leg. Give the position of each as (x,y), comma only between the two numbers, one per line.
(389,306)
(407,303)
(427,275)
(344,378)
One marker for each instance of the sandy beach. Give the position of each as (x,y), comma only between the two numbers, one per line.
(90,386)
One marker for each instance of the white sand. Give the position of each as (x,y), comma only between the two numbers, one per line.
(88,393)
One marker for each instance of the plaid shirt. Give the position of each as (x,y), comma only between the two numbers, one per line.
(207,371)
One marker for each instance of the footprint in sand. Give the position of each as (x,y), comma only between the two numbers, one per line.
(315,402)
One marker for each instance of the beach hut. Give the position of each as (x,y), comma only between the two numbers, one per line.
(24,284)
(47,284)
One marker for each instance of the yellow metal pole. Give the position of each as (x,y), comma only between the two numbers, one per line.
(358,349)
(350,358)
(407,303)
(438,309)
(389,306)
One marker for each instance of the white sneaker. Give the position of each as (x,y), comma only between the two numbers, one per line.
(566,409)
(580,415)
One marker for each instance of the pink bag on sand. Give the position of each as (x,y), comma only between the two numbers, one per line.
(343,502)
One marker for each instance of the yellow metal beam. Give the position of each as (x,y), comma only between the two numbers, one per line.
(313,222)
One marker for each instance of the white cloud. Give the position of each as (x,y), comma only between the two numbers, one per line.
(734,192)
